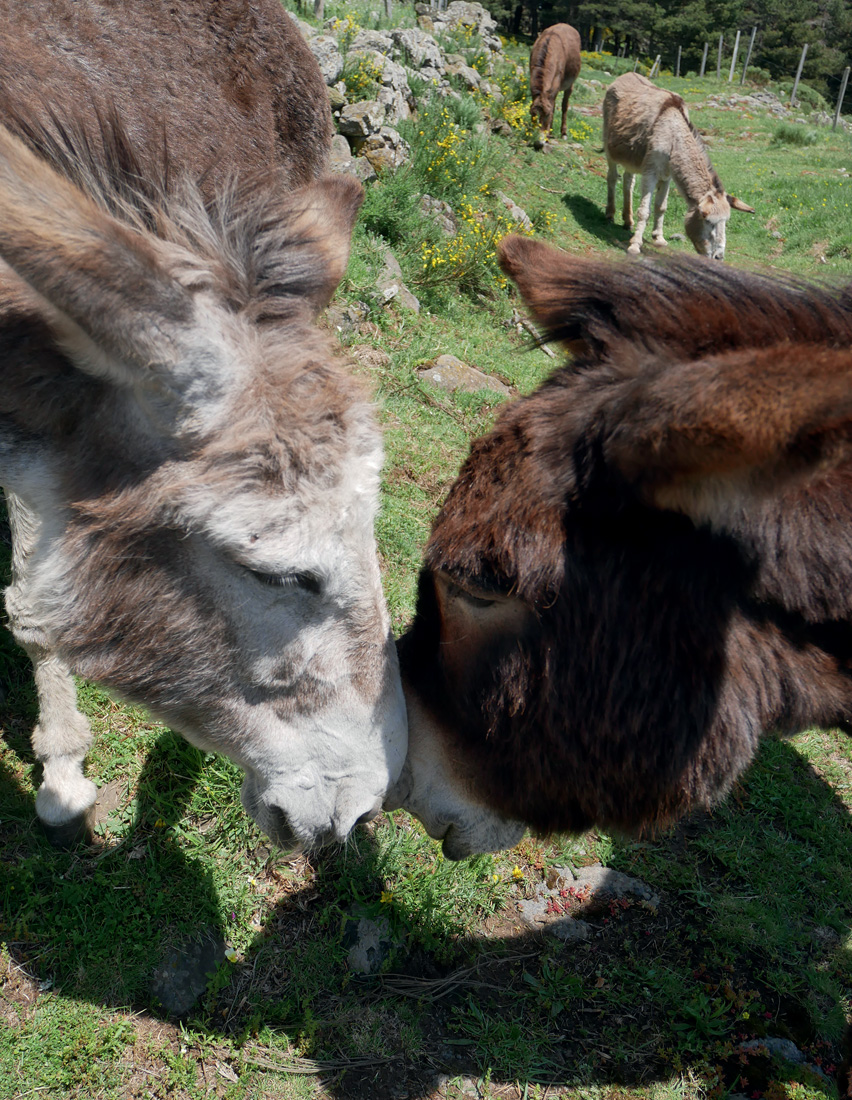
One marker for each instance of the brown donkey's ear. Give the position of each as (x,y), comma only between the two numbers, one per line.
(706,436)
(305,250)
(738,204)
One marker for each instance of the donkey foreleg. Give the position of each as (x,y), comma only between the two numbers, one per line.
(627,199)
(661,201)
(611,184)
(61,739)
(566,96)
(642,214)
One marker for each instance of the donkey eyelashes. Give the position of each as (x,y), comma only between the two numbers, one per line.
(306,581)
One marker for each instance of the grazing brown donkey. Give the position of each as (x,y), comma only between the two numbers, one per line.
(647,130)
(554,66)
(191,473)
(646,565)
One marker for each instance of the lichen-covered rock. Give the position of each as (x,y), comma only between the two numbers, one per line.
(329,58)
(385,150)
(340,151)
(451,374)
(337,96)
(468,75)
(359,120)
(380,41)
(395,93)
(419,48)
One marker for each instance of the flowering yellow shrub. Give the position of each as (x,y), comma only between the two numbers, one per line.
(364,78)
(345,30)
(469,259)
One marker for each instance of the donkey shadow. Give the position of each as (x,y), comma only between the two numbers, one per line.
(519,1008)
(119,913)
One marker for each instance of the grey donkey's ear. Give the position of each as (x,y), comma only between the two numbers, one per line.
(738,204)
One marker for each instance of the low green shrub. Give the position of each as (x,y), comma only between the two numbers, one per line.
(792,133)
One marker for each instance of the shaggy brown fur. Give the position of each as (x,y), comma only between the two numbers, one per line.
(257,248)
(554,66)
(232,83)
(675,507)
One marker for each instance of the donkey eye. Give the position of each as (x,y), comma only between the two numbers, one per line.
(468,597)
(308,582)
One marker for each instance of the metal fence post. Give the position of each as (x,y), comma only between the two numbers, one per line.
(719,60)
(704,58)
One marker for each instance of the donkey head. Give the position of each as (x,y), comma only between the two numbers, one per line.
(205,476)
(586,648)
(707,221)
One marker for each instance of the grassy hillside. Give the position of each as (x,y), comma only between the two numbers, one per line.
(750,934)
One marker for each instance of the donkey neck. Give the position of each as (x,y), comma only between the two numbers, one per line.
(690,166)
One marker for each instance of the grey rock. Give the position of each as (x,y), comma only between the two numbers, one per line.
(359,120)
(534,913)
(603,880)
(515,212)
(329,58)
(442,213)
(782,1048)
(359,167)
(305,29)
(337,96)
(424,22)
(380,41)
(396,105)
(340,151)
(451,374)
(181,978)
(369,942)
(391,286)
(461,13)
(468,76)
(419,48)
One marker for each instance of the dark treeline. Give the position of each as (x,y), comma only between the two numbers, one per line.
(649,27)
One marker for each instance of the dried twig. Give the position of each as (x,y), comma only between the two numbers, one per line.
(309,1066)
(536,335)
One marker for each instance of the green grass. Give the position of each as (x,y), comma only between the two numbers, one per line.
(752,934)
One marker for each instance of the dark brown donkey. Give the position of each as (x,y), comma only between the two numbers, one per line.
(554,66)
(192,474)
(646,565)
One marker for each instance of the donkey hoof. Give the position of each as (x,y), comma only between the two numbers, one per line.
(69,834)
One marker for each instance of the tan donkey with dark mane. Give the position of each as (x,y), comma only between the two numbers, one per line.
(554,66)
(647,131)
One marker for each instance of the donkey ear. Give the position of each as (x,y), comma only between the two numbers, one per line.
(738,204)
(704,437)
(302,256)
(105,288)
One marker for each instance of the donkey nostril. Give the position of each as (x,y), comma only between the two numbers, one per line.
(280,830)
(370,814)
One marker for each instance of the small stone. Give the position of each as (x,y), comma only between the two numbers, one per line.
(516,213)
(369,942)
